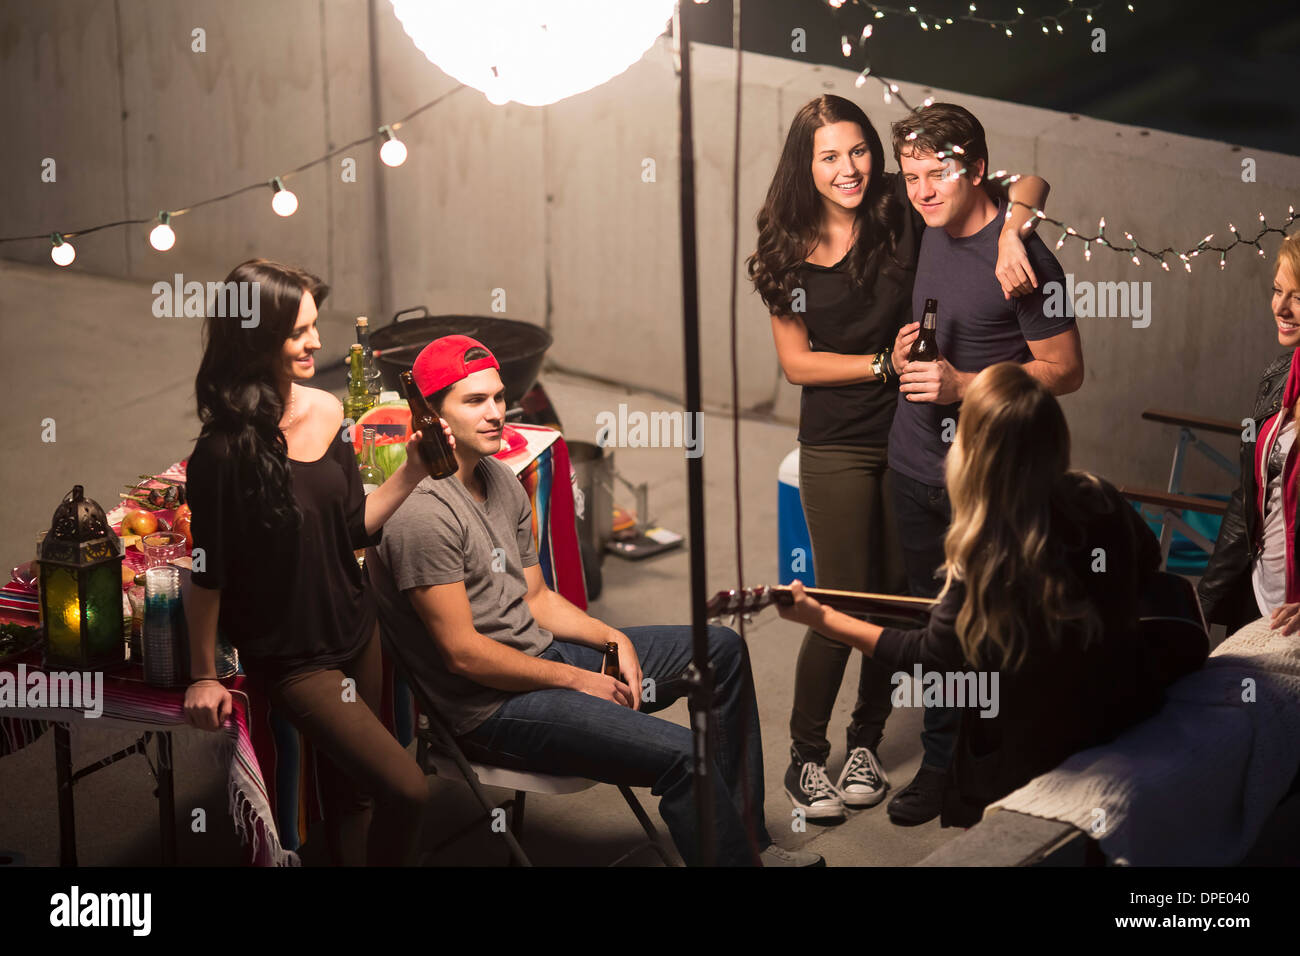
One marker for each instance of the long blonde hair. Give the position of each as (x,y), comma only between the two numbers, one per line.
(1007,474)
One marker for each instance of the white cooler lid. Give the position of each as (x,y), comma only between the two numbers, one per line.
(788,473)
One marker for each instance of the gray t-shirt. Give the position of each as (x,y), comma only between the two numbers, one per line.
(441,535)
(975,328)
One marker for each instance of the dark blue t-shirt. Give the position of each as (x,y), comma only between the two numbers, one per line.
(976,328)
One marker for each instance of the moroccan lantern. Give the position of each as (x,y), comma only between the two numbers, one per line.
(80,569)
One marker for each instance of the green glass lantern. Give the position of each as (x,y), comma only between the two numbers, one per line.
(81,588)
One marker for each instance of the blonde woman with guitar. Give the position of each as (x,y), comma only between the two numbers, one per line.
(1044,574)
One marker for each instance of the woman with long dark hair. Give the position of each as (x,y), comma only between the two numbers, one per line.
(1050,631)
(278,511)
(835,262)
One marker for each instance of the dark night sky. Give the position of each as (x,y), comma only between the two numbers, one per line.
(1224,71)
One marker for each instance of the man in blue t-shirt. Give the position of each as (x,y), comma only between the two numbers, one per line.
(978,325)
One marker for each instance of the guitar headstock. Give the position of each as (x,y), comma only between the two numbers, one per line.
(732,602)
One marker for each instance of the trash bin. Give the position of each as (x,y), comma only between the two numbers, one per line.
(594,506)
(793,544)
(594,467)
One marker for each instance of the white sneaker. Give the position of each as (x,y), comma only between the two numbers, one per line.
(862,782)
(776,856)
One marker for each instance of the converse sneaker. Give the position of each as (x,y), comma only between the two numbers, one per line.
(810,790)
(862,782)
(776,856)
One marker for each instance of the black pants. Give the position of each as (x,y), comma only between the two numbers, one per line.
(923,513)
(855,548)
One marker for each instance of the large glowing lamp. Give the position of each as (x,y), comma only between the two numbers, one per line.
(533,52)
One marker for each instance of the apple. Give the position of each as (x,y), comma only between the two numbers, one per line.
(139,521)
(182,526)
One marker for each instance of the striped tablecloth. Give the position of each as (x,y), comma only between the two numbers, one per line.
(272,786)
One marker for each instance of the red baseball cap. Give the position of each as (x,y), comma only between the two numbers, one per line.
(442,362)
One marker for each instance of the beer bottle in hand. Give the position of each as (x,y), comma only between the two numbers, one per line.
(926,346)
(610,666)
(434,448)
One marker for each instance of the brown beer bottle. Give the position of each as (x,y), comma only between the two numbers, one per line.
(611,660)
(926,346)
(433,447)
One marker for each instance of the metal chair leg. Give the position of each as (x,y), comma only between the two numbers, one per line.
(646,824)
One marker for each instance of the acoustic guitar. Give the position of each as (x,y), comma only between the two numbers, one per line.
(1170,622)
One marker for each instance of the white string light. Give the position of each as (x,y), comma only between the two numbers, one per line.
(393,151)
(162,237)
(61,250)
(284,202)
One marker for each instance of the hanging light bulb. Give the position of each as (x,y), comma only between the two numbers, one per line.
(162,237)
(393,152)
(284,202)
(61,252)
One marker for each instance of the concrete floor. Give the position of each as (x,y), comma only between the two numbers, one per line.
(87,352)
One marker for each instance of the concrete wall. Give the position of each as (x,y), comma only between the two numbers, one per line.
(549,204)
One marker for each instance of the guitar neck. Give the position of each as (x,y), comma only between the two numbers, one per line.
(861,602)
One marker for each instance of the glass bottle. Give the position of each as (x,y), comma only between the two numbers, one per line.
(359,400)
(374,376)
(372,476)
(434,448)
(926,346)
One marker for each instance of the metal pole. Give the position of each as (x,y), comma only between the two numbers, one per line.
(700,673)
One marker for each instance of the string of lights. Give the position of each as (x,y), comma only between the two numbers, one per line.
(1130,247)
(392,152)
(1054,23)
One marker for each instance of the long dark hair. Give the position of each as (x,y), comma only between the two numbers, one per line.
(237,386)
(789,224)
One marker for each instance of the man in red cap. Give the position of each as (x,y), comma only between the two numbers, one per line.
(515,669)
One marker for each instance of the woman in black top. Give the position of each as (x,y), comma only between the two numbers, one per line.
(835,268)
(1044,568)
(278,511)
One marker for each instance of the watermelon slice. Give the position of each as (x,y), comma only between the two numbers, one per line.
(392,424)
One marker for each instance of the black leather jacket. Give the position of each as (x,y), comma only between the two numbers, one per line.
(1227,596)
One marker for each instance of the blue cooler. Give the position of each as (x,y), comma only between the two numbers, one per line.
(793,545)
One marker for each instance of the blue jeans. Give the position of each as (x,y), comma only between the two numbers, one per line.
(923,513)
(569,733)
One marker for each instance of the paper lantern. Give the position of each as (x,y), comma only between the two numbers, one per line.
(533,52)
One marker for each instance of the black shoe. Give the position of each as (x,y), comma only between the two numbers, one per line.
(810,790)
(921,800)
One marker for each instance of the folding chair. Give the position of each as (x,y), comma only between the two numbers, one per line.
(439,753)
